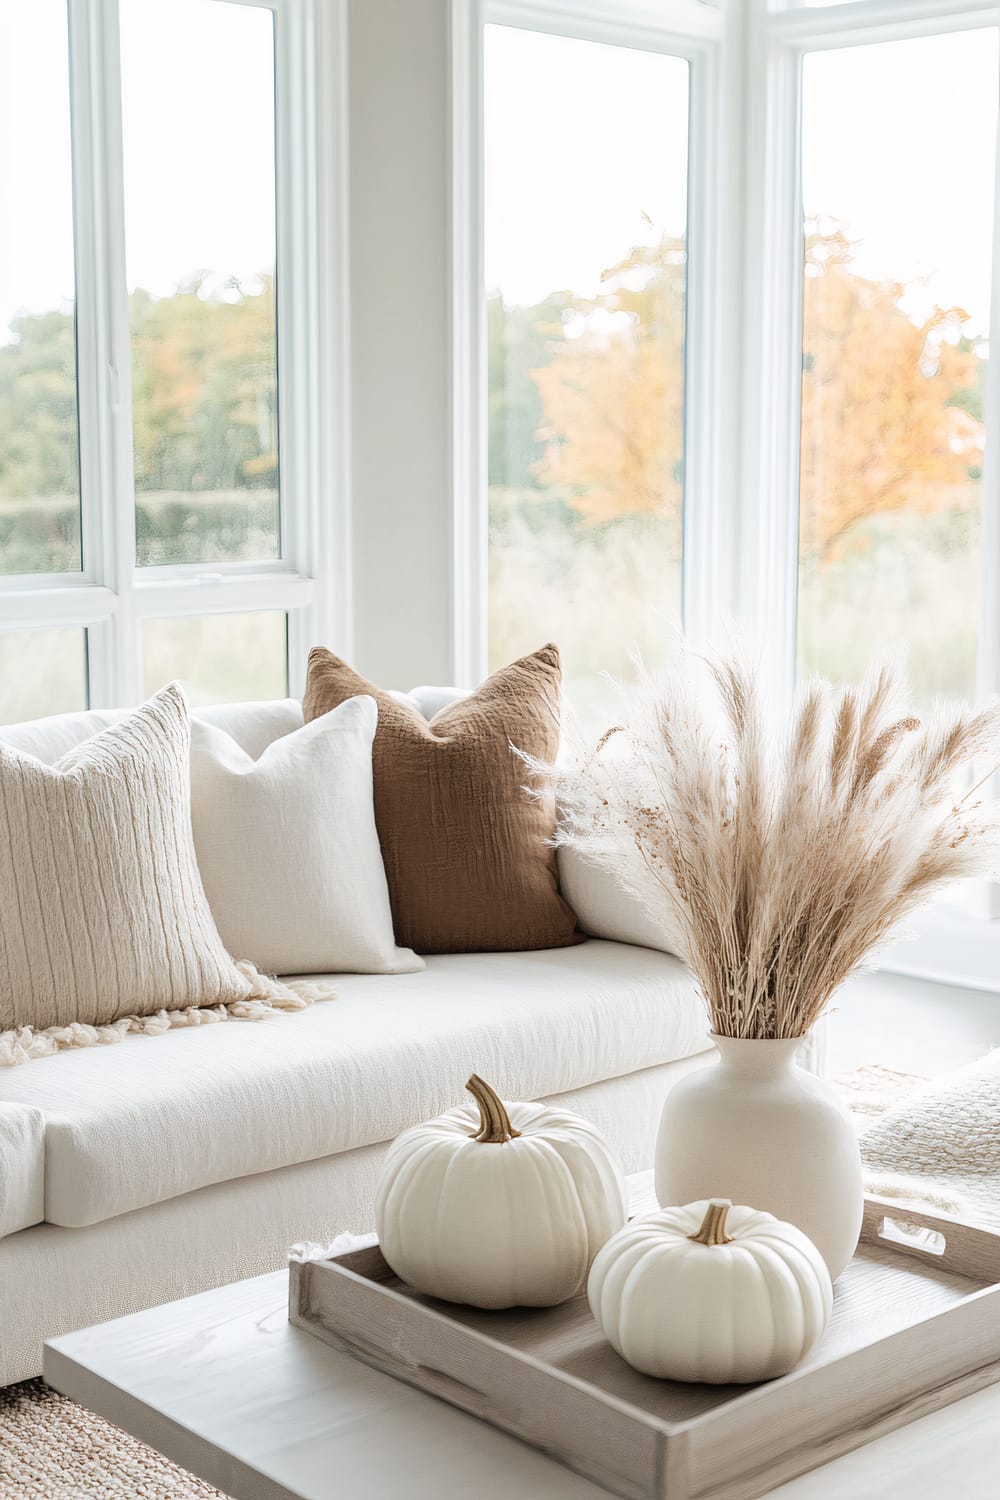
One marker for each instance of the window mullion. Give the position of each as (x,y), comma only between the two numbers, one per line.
(467,366)
(711,402)
(772,358)
(988,659)
(988,652)
(311,211)
(104,351)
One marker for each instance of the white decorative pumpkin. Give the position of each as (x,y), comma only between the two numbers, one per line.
(711,1293)
(504,1206)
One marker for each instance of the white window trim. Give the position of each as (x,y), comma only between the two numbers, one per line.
(312,580)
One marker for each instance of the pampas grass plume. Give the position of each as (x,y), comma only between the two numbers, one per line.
(781,854)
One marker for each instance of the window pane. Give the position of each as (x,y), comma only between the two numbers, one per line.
(39,460)
(42,672)
(219,658)
(198,105)
(585,271)
(898,193)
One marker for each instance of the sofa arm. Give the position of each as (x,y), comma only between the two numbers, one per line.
(22,1167)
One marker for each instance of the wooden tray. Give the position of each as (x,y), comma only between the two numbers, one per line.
(916,1324)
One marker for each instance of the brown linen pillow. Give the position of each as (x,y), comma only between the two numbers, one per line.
(464,845)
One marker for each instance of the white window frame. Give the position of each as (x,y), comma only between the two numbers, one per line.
(111,597)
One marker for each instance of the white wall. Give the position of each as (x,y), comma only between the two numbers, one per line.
(399,248)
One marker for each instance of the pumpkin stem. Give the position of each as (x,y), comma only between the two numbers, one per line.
(494,1122)
(713,1225)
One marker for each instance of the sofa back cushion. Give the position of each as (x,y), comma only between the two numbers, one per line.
(252,725)
(466,849)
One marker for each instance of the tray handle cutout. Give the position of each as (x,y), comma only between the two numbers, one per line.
(913,1236)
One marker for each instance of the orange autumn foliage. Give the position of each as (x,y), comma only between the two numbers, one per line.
(613,394)
(882,427)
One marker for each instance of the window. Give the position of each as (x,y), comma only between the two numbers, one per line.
(586,273)
(726,324)
(162,448)
(838,228)
(898,200)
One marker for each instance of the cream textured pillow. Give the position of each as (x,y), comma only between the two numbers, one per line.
(288,850)
(103,918)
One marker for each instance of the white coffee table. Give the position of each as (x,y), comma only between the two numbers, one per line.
(221,1384)
(224,1386)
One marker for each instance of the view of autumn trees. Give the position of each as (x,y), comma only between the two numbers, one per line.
(586,402)
(892,408)
(586,420)
(587,396)
(204,406)
(204,390)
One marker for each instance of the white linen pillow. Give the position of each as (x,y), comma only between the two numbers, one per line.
(606,909)
(288,849)
(102,912)
(607,902)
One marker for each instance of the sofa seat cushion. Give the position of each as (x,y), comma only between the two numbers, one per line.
(139,1123)
(22,1167)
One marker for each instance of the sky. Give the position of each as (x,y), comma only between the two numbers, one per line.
(198,111)
(583,140)
(586,154)
(899,141)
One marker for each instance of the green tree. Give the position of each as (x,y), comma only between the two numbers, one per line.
(520,340)
(204,395)
(39,452)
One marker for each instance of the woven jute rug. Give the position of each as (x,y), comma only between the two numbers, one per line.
(52,1449)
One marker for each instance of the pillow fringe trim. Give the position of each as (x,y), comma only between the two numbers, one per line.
(266,997)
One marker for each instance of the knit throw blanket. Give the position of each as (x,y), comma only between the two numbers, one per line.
(267,997)
(941,1145)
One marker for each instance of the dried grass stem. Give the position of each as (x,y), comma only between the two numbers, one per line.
(779,856)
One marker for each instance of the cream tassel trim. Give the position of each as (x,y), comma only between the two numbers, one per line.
(267,997)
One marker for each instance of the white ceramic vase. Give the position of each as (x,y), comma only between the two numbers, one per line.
(754,1127)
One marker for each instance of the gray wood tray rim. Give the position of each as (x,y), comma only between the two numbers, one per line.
(745,1440)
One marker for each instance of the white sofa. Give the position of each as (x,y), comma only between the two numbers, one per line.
(148,1170)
